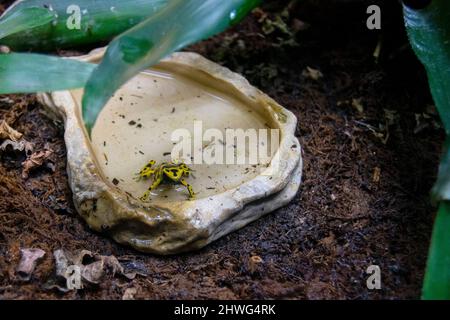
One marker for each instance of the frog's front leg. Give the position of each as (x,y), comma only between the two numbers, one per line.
(146,171)
(189,188)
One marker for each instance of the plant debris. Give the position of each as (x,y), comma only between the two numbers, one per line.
(357,104)
(281,25)
(313,74)
(35,160)
(253,263)
(21,146)
(6,132)
(92,267)
(376,175)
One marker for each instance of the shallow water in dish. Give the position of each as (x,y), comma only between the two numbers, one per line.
(137,123)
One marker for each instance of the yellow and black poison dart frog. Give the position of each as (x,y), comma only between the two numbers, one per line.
(166,171)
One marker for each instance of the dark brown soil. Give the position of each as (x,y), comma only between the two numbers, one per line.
(367,174)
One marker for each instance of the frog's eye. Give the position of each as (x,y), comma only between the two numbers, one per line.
(416,4)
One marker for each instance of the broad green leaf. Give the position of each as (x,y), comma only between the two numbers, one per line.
(27,19)
(428,26)
(437,275)
(429,34)
(179,24)
(73,23)
(28,73)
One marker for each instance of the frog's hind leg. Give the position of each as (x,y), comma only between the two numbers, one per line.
(153,186)
(189,188)
(185,170)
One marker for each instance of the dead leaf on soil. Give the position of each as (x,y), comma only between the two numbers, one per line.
(382,132)
(357,104)
(312,73)
(280,24)
(37,159)
(6,100)
(6,132)
(376,175)
(22,146)
(28,262)
(92,266)
(254,262)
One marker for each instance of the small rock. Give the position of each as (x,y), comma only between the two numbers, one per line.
(28,262)
(129,294)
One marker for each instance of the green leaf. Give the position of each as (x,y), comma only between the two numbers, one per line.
(26,24)
(179,24)
(441,189)
(437,275)
(28,73)
(429,34)
(28,18)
